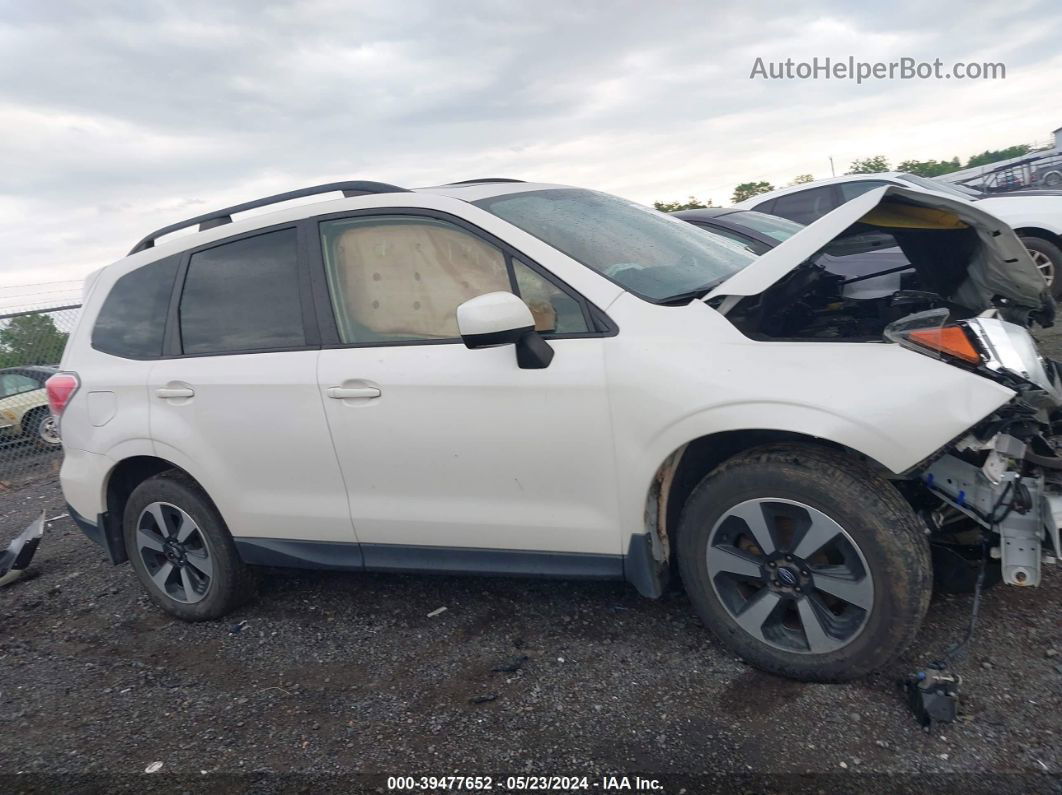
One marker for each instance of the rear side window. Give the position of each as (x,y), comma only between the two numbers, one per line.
(132,319)
(243,296)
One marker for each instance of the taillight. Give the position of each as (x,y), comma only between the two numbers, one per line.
(60,388)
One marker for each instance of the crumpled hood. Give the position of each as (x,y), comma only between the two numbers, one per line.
(1000,266)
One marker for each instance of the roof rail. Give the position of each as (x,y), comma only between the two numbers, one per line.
(224,216)
(485,180)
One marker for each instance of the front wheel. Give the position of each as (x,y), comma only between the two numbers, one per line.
(1048,259)
(805,563)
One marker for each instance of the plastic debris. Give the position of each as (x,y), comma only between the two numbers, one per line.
(235,629)
(154,767)
(933,696)
(19,553)
(437,611)
(483,699)
(512,665)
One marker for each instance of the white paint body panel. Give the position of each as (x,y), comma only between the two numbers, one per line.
(463,448)
(255,431)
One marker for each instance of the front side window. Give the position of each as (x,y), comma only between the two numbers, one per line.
(646,252)
(849,190)
(401,279)
(243,296)
(805,206)
(132,320)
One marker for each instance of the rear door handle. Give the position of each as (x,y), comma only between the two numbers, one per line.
(175,392)
(345,392)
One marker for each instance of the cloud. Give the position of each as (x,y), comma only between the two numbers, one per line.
(120,118)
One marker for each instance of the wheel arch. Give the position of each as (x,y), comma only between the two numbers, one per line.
(119,484)
(680,472)
(1039,231)
(29,414)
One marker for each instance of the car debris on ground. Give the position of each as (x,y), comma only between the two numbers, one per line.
(16,558)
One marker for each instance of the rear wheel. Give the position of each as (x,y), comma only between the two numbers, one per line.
(181,550)
(805,563)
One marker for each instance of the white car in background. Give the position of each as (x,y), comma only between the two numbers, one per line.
(499,377)
(1036,216)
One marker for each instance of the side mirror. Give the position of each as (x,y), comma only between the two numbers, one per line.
(503,319)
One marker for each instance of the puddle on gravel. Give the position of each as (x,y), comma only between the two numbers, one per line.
(753,692)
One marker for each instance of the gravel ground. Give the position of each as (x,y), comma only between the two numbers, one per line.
(331,674)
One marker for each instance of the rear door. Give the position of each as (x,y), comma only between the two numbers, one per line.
(456,458)
(236,403)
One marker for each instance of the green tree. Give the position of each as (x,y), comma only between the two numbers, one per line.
(994,155)
(692,203)
(869,165)
(31,339)
(747,190)
(802,179)
(929,168)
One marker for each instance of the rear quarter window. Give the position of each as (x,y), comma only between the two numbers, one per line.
(132,320)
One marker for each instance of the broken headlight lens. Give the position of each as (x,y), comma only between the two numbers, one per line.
(1010,348)
(990,343)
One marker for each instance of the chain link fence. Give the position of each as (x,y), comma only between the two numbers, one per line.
(31,345)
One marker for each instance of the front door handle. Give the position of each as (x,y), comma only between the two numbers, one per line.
(345,392)
(175,392)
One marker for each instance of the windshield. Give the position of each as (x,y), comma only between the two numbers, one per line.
(771,225)
(950,188)
(646,252)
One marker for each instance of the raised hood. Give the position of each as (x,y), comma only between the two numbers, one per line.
(1000,265)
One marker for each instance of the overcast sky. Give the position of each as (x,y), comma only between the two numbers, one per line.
(119,117)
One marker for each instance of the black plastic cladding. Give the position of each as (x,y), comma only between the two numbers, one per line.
(224,216)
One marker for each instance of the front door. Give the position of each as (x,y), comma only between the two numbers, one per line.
(447,448)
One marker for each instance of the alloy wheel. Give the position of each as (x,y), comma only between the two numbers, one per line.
(1044,265)
(790,576)
(175,552)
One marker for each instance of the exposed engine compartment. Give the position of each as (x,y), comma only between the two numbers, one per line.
(871,276)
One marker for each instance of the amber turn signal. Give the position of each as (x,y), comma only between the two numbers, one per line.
(949,340)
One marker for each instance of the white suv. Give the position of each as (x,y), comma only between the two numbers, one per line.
(498,377)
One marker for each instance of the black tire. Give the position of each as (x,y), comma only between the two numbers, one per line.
(230,582)
(1046,248)
(889,541)
(40,427)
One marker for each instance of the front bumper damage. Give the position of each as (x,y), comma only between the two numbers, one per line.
(1012,495)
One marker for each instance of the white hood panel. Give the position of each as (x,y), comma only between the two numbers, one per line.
(1002,267)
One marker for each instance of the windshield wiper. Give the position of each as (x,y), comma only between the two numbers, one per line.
(697,292)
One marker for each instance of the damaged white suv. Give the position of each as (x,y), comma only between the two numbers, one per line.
(498,377)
